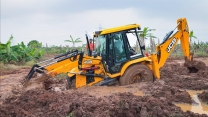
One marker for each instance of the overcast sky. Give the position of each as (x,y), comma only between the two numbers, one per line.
(53,21)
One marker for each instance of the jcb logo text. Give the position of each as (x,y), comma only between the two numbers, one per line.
(171,45)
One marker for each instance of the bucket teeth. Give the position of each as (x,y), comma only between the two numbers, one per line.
(25,82)
(40,79)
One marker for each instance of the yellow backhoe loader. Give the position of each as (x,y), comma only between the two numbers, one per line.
(118,56)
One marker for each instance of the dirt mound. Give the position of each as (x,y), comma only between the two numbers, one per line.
(203,73)
(177,75)
(194,66)
(173,68)
(10,84)
(204,96)
(48,103)
(55,84)
(160,89)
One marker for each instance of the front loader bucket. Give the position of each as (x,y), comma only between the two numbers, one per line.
(33,70)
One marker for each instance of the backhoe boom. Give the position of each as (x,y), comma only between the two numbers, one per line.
(166,47)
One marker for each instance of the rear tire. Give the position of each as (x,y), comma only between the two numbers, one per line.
(136,73)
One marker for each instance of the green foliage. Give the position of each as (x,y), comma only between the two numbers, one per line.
(73,41)
(70,115)
(36,47)
(6,51)
(34,44)
(145,33)
(55,50)
(201,54)
(200,49)
(59,49)
(191,35)
(19,53)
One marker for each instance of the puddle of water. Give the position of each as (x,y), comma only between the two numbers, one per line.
(139,93)
(192,92)
(201,108)
(4,76)
(123,90)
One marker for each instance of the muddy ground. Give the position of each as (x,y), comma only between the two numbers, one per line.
(155,99)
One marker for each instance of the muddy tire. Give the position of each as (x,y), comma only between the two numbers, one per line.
(136,73)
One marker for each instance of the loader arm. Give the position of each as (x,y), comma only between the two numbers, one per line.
(167,46)
(54,66)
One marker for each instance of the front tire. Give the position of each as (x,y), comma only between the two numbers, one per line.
(136,73)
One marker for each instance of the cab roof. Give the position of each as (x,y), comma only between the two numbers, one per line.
(117,29)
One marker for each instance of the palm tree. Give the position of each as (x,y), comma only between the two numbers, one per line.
(73,41)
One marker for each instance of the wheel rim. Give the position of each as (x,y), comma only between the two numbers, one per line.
(136,78)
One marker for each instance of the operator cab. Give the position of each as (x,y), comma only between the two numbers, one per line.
(117,46)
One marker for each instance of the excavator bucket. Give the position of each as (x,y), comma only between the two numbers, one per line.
(33,72)
(194,66)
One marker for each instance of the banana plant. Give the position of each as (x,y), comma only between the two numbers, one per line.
(191,35)
(7,55)
(18,53)
(145,33)
(73,41)
(25,53)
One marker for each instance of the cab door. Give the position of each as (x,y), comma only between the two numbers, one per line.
(122,47)
(116,52)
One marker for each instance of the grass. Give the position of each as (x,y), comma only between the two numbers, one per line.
(61,76)
(181,55)
(30,63)
(15,67)
(201,54)
(9,66)
(70,115)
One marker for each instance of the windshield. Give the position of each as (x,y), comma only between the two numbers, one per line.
(100,44)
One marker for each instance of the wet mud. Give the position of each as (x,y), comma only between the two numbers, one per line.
(155,99)
(204,96)
(52,104)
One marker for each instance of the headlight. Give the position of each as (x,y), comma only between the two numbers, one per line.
(88,62)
